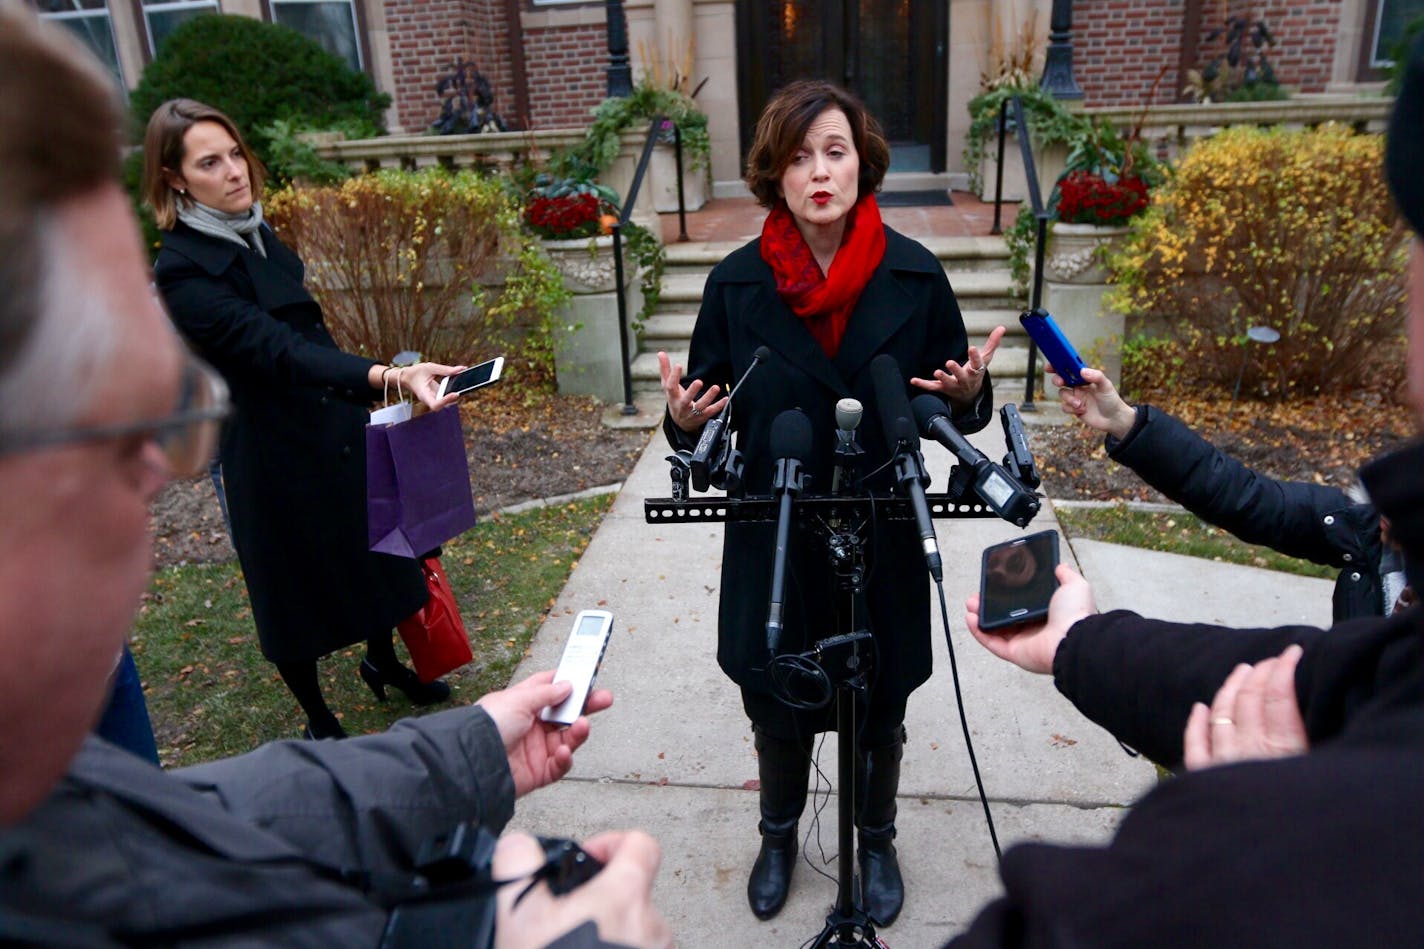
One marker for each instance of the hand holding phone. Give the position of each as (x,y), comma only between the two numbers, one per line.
(473,378)
(1055,347)
(1017,581)
(582,656)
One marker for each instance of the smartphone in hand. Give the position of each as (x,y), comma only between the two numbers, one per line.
(473,378)
(1054,345)
(1017,581)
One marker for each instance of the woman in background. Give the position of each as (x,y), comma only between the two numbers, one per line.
(293,453)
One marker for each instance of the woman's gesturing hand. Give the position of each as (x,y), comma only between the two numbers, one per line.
(961,382)
(689,406)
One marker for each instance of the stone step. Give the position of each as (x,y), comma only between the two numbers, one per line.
(971,287)
(673,326)
(959,254)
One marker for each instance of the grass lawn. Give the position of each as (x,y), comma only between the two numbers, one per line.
(1177,533)
(211,694)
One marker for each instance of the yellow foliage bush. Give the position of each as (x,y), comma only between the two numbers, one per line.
(1294,230)
(431,261)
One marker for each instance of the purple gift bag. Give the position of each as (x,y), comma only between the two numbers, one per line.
(417,484)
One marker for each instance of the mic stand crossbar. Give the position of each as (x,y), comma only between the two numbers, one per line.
(886,507)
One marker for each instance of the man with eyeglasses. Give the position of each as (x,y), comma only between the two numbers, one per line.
(296,843)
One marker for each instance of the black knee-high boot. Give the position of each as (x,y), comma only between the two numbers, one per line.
(785,767)
(882,889)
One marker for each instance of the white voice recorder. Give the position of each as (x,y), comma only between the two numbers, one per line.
(579,665)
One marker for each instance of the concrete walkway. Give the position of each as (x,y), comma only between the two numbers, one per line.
(674,755)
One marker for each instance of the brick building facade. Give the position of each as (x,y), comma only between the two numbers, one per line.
(546,60)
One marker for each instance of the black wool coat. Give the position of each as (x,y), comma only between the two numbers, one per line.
(906,310)
(293,453)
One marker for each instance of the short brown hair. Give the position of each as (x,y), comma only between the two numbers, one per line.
(49,155)
(163,153)
(781,130)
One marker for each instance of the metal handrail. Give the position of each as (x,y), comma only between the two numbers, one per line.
(1041,217)
(628,407)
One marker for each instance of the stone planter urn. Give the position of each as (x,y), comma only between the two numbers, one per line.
(1075,291)
(1075,252)
(586,263)
(588,357)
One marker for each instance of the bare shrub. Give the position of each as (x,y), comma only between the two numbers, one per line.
(430,261)
(1293,230)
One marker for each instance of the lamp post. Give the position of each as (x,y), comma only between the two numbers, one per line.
(1256,334)
(620,73)
(1058,78)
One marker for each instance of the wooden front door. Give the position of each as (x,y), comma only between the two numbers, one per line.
(891,53)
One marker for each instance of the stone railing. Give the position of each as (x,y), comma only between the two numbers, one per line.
(1171,129)
(1174,127)
(495,152)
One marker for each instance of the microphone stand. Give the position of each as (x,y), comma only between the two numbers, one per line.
(847,660)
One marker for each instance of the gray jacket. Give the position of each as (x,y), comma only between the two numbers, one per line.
(250,850)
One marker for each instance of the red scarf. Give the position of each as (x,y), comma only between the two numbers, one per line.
(824,302)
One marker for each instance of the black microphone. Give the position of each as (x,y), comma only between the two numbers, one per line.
(1000,490)
(710,443)
(904,444)
(791,444)
(1019,460)
(848,416)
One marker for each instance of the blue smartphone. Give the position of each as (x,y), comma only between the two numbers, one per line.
(1054,345)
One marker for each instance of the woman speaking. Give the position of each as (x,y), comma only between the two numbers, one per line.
(826,288)
(293,454)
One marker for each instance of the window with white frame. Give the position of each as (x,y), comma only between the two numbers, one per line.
(162,17)
(89,20)
(332,23)
(1391,17)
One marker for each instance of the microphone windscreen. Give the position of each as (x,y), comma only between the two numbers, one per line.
(890,398)
(791,435)
(760,353)
(926,408)
(848,413)
(905,432)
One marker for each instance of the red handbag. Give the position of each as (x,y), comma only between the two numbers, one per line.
(435,635)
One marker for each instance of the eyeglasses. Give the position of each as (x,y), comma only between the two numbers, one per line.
(187,438)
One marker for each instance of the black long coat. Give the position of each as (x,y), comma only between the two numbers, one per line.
(293,453)
(906,310)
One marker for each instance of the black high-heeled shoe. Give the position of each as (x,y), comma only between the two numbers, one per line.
(420,693)
(334,730)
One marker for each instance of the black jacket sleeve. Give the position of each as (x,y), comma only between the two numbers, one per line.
(240,338)
(1288,516)
(1138,677)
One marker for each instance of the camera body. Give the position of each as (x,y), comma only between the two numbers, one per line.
(451,899)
